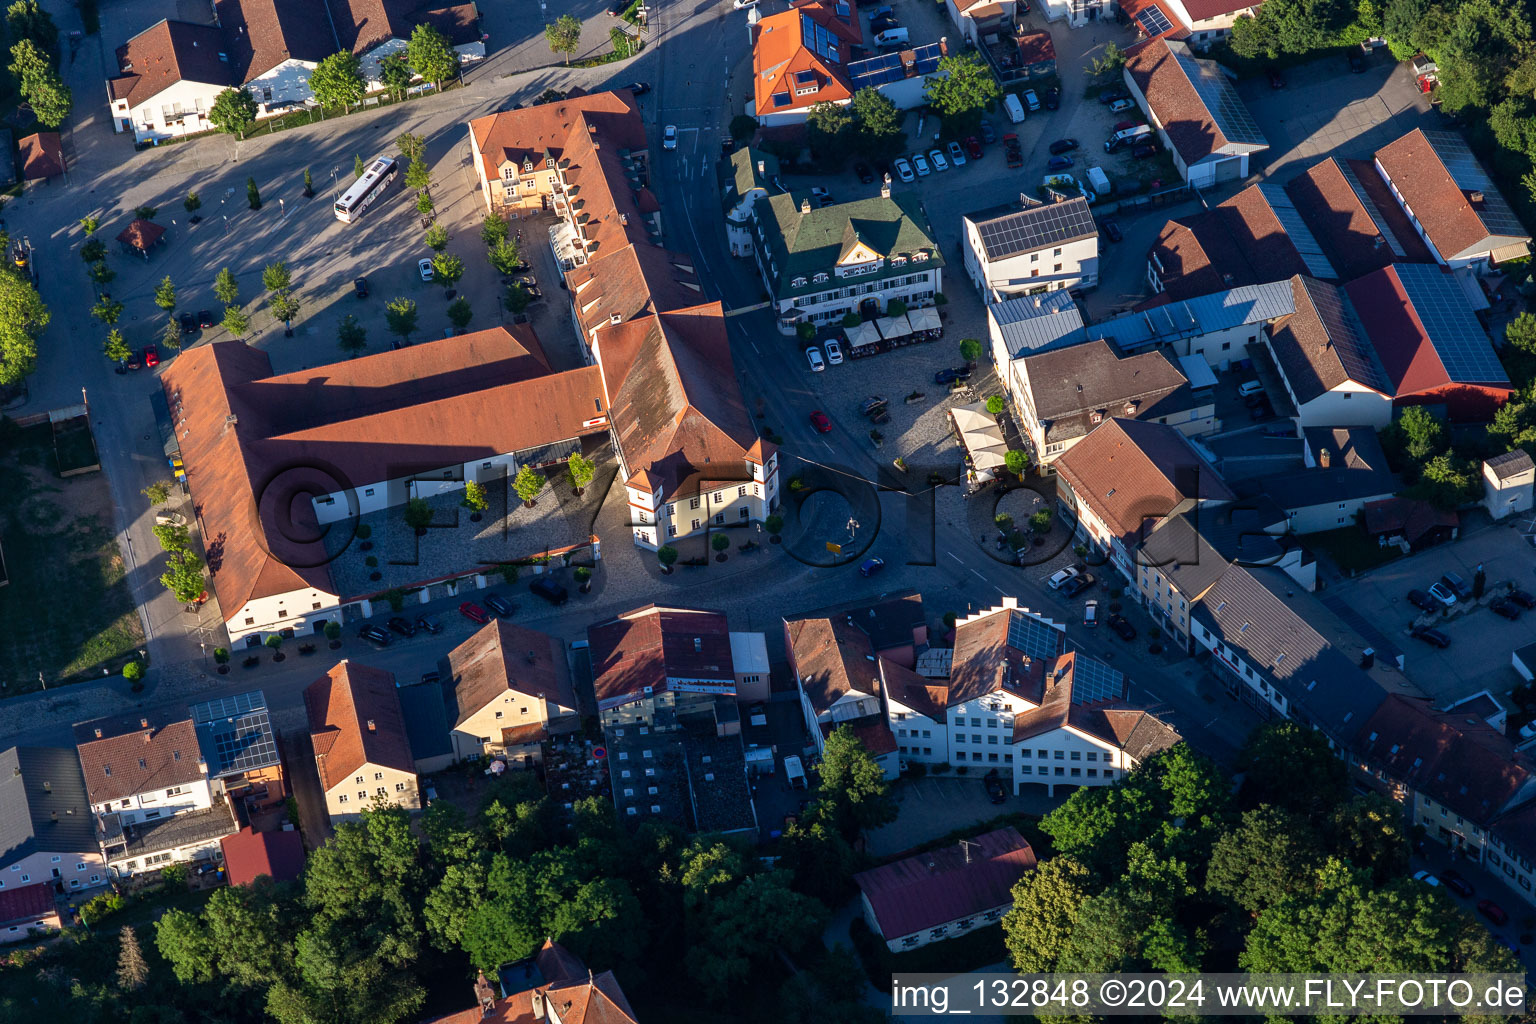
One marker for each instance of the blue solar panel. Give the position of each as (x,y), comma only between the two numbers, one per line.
(1458,339)
(1469,176)
(928,58)
(1035,637)
(805,77)
(876,71)
(1296,229)
(1221,100)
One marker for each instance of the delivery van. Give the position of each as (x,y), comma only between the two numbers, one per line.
(892,37)
(1014,108)
(1129,137)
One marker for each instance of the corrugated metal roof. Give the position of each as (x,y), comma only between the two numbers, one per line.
(1031,324)
(1205,314)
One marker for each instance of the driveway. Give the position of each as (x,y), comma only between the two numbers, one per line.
(304,780)
(937,805)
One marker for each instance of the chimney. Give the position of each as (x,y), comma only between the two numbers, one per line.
(762,167)
(1038,302)
(143,723)
(484,996)
(536,1002)
(98,734)
(1474,197)
(1323,457)
(805,205)
(932,866)
(698,644)
(371,726)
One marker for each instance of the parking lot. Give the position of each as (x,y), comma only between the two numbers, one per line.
(1481,642)
(937,805)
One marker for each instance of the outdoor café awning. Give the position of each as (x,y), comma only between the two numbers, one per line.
(981,435)
(894,326)
(925,319)
(861,336)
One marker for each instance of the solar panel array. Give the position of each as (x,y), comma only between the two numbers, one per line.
(1035,638)
(1220,99)
(1154,22)
(1036,228)
(1370,208)
(1469,176)
(928,58)
(817,38)
(1092,680)
(235,733)
(1457,337)
(1296,229)
(887,67)
(805,77)
(1347,335)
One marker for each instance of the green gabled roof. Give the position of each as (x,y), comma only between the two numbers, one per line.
(744,167)
(805,243)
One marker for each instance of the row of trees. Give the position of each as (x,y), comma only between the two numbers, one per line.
(1169,871)
(35,61)
(22,318)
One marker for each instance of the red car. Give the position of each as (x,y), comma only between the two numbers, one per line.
(1124,126)
(820,422)
(151,357)
(973,147)
(474,613)
(1492,911)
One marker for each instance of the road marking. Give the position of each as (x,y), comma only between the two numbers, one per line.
(1154,696)
(979,576)
(956,557)
(746,309)
(829,447)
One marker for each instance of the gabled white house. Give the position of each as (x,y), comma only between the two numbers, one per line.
(1029,246)
(1330,370)
(1200,119)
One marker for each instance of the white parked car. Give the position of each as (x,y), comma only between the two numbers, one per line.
(956,154)
(1426,878)
(813,356)
(742,5)
(834,352)
(1061,576)
(903,169)
(923,170)
(669,137)
(939,163)
(1442,593)
(425,269)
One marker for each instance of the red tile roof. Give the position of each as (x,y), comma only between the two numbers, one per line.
(499,657)
(570,990)
(26,902)
(355,719)
(944,885)
(1036,48)
(985,662)
(1345,227)
(1174,102)
(166,53)
(42,156)
(141,234)
(549,129)
(832,658)
(137,753)
(1397,333)
(1408,516)
(1445,212)
(923,695)
(646,646)
(249,854)
(261,34)
(780,54)
(1238,242)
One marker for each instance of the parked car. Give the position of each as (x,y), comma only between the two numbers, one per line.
(1493,912)
(1052,98)
(429,624)
(834,351)
(1454,882)
(1505,607)
(639,88)
(866,176)
(500,605)
(872,405)
(549,590)
(1123,629)
(1260,410)
(1457,584)
(952,375)
(813,356)
(1422,601)
(1427,878)
(1276,80)
(1109,97)
(374,635)
(1076,585)
(903,169)
(1112,230)
(973,147)
(1060,576)
(1091,612)
(988,133)
(1119,105)
(1522,599)
(921,164)
(1442,593)
(151,357)
(1063,146)
(820,421)
(1058,163)
(1124,126)
(669,137)
(205,318)
(1145,150)
(1432,637)
(188,323)
(424,268)
(360,287)
(1012,150)
(883,23)
(997,790)
(870,566)
(956,154)
(474,613)
(401,626)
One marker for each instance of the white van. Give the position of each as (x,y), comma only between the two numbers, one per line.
(1129,137)
(892,37)
(1251,387)
(1014,108)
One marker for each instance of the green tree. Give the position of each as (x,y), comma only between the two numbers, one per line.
(564,35)
(580,470)
(517,298)
(493,229)
(418,176)
(1271,854)
(970,350)
(233,112)
(667,556)
(158,492)
(853,785)
(475,498)
(173,537)
(436,238)
(108,311)
(193,202)
(22,317)
(309,184)
(146,212)
(26,20)
(459,313)
(961,90)
(170,334)
(1016,461)
(252,194)
(528,483)
(337,81)
(745,924)
(358,167)
(830,128)
(183,576)
(225,287)
(878,134)
(40,83)
(165,294)
(400,317)
(622,42)
(1109,63)
(447,269)
(430,56)
(424,204)
(505,257)
(276,277)
(284,306)
(351,335)
(235,321)
(132,971)
(1294,26)
(418,514)
(1040,522)
(1046,904)
(115,348)
(101,274)
(996,404)
(1292,767)
(412,147)
(743,127)
(89,225)
(93,251)
(820,861)
(1446,481)
(395,73)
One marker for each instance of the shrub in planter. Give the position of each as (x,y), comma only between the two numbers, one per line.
(375,576)
(306,648)
(935,478)
(1116,592)
(1080,550)
(774,524)
(371,562)
(333,630)
(276,643)
(134,673)
(583,578)
(221,655)
(1003,521)
(1155,649)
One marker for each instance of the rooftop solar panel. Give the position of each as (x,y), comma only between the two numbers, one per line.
(1469,176)
(1036,638)
(1458,339)
(1221,100)
(1035,228)
(235,734)
(1296,229)
(1347,335)
(1370,208)
(1092,680)
(1154,22)
(804,77)
(876,70)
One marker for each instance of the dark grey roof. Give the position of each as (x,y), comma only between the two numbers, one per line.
(717,782)
(1151,735)
(1259,613)
(1008,230)
(1510,464)
(150,837)
(1250,453)
(426,720)
(43,805)
(1357,469)
(235,734)
(1194,544)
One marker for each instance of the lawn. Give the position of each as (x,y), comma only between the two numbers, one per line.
(1352,550)
(67,607)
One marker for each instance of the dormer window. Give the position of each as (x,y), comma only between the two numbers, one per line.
(798,282)
(821,278)
(527,166)
(898,261)
(919,257)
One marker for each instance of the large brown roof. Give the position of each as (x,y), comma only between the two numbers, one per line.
(646,646)
(1240,241)
(166,53)
(944,885)
(1130,472)
(137,753)
(1323,344)
(575,994)
(548,128)
(355,719)
(1174,101)
(832,658)
(985,661)
(501,657)
(1068,386)
(925,696)
(631,282)
(363,24)
(1444,210)
(261,34)
(1357,234)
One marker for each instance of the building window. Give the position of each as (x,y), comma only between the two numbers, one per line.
(1076,756)
(1061,755)
(744,513)
(1076,772)
(693,503)
(399,787)
(1061,771)
(342,799)
(362,794)
(719,518)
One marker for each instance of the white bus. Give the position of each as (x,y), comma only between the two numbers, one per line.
(366,189)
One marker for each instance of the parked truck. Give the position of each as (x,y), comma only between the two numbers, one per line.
(794,772)
(1098,181)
